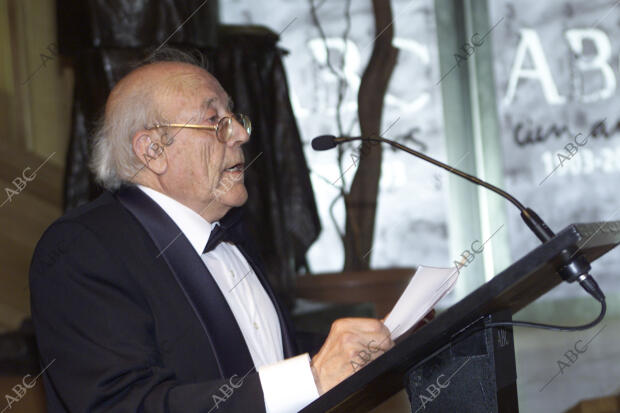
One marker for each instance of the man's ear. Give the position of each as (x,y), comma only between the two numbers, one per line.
(150,152)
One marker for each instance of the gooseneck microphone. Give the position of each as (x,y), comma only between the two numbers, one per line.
(324,142)
(575,265)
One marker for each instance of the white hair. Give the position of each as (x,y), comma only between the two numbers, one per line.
(113,161)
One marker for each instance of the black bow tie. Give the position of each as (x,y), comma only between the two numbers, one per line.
(217,235)
(226,231)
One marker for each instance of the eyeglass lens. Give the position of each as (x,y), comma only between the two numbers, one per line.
(225,128)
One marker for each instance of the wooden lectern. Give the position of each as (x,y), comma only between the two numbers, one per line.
(454,363)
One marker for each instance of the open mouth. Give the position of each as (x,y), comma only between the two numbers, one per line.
(238,167)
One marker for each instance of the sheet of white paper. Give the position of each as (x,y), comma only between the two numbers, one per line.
(426,288)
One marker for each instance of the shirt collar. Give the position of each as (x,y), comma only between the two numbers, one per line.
(195,228)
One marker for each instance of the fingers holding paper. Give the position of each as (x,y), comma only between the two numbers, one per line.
(351,344)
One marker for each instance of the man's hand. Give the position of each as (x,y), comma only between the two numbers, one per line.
(351,342)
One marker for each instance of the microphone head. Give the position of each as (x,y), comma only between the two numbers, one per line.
(323,142)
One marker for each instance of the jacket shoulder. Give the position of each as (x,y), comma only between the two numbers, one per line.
(99,219)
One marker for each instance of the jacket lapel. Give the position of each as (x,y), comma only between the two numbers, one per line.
(195,280)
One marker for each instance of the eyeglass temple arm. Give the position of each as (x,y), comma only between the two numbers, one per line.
(184,125)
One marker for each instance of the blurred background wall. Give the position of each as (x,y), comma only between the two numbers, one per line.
(35,102)
(497,88)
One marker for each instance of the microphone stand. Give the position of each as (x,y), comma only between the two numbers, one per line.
(575,266)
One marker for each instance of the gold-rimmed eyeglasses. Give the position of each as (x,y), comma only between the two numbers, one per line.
(224,130)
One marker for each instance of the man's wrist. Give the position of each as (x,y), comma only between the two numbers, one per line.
(315,375)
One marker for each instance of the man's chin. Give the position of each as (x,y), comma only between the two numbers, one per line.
(235,198)
(219,206)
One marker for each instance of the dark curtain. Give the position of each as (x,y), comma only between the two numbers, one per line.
(105,38)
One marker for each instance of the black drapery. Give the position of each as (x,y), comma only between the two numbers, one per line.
(104,38)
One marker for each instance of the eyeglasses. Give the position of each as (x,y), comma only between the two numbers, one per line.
(224,130)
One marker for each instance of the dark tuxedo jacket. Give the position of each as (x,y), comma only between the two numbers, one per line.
(131,318)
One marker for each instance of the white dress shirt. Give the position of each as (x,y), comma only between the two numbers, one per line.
(288,385)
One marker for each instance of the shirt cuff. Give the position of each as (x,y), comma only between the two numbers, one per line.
(288,386)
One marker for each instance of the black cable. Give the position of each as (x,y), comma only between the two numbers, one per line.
(467,331)
(589,284)
(550,326)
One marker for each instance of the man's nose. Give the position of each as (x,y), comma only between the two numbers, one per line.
(240,135)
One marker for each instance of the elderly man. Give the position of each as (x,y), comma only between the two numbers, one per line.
(150,298)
